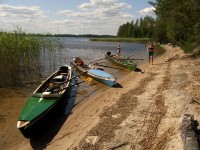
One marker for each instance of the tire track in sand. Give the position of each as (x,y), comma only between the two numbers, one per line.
(108,124)
(154,115)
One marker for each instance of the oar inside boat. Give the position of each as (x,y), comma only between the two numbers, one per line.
(129,56)
(97,60)
(121,61)
(107,66)
(132,59)
(126,58)
(71,85)
(76,84)
(56,87)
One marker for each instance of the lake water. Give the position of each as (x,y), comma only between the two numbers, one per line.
(90,51)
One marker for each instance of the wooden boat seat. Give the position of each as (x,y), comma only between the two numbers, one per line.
(46,95)
(64,74)
(51,95)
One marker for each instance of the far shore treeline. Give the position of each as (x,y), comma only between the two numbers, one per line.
(72,35)
(141,28)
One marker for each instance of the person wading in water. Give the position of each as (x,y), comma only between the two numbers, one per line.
(118,51)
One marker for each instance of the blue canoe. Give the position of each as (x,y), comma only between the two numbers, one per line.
(102,76)
(96,74)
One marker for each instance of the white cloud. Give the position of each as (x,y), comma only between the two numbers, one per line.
(20,11)
(147,11)
(64,12)
(85,6)
(30,19)
(103,16)
(94,17)
(96,3)
(113,4)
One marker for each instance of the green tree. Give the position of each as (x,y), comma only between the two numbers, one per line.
(142,28)
(179,20)
(147,25)
(130,30)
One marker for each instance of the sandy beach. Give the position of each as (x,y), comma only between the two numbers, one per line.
(143,114)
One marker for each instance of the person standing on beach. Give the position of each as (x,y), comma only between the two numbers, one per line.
(151,51)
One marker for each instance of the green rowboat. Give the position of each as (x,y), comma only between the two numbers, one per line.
(44,101)
(129,64)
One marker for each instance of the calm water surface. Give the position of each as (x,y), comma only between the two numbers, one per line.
(90,51)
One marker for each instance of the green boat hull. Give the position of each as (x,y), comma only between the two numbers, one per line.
(128,64)
(41,122)
(44,104)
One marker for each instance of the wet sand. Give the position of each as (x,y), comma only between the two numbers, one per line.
(144,113)
(11,103)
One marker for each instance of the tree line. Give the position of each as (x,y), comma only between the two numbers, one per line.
(141,28)
(177,22)
(71,35)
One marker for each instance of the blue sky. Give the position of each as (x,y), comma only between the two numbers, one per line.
(71,16)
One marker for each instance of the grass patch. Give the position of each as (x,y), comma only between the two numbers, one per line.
(159,50)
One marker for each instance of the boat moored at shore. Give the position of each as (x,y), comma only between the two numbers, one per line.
(45,102)
(124,62)
(95,73)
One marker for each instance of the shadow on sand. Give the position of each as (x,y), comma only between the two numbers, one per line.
(118,86)
(139,70)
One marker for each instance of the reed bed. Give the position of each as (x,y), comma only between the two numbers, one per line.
(20,56)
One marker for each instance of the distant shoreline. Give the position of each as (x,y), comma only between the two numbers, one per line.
(129,40)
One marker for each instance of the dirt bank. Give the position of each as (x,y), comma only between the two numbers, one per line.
(143,114)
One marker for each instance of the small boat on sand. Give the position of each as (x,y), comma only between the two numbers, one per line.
(95,73)
(127,63)
(42,104)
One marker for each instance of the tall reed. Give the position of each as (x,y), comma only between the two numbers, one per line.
(20,55)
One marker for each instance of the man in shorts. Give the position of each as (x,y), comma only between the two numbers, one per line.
(151,51)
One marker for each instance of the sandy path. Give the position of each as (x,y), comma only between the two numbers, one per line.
(143,114)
